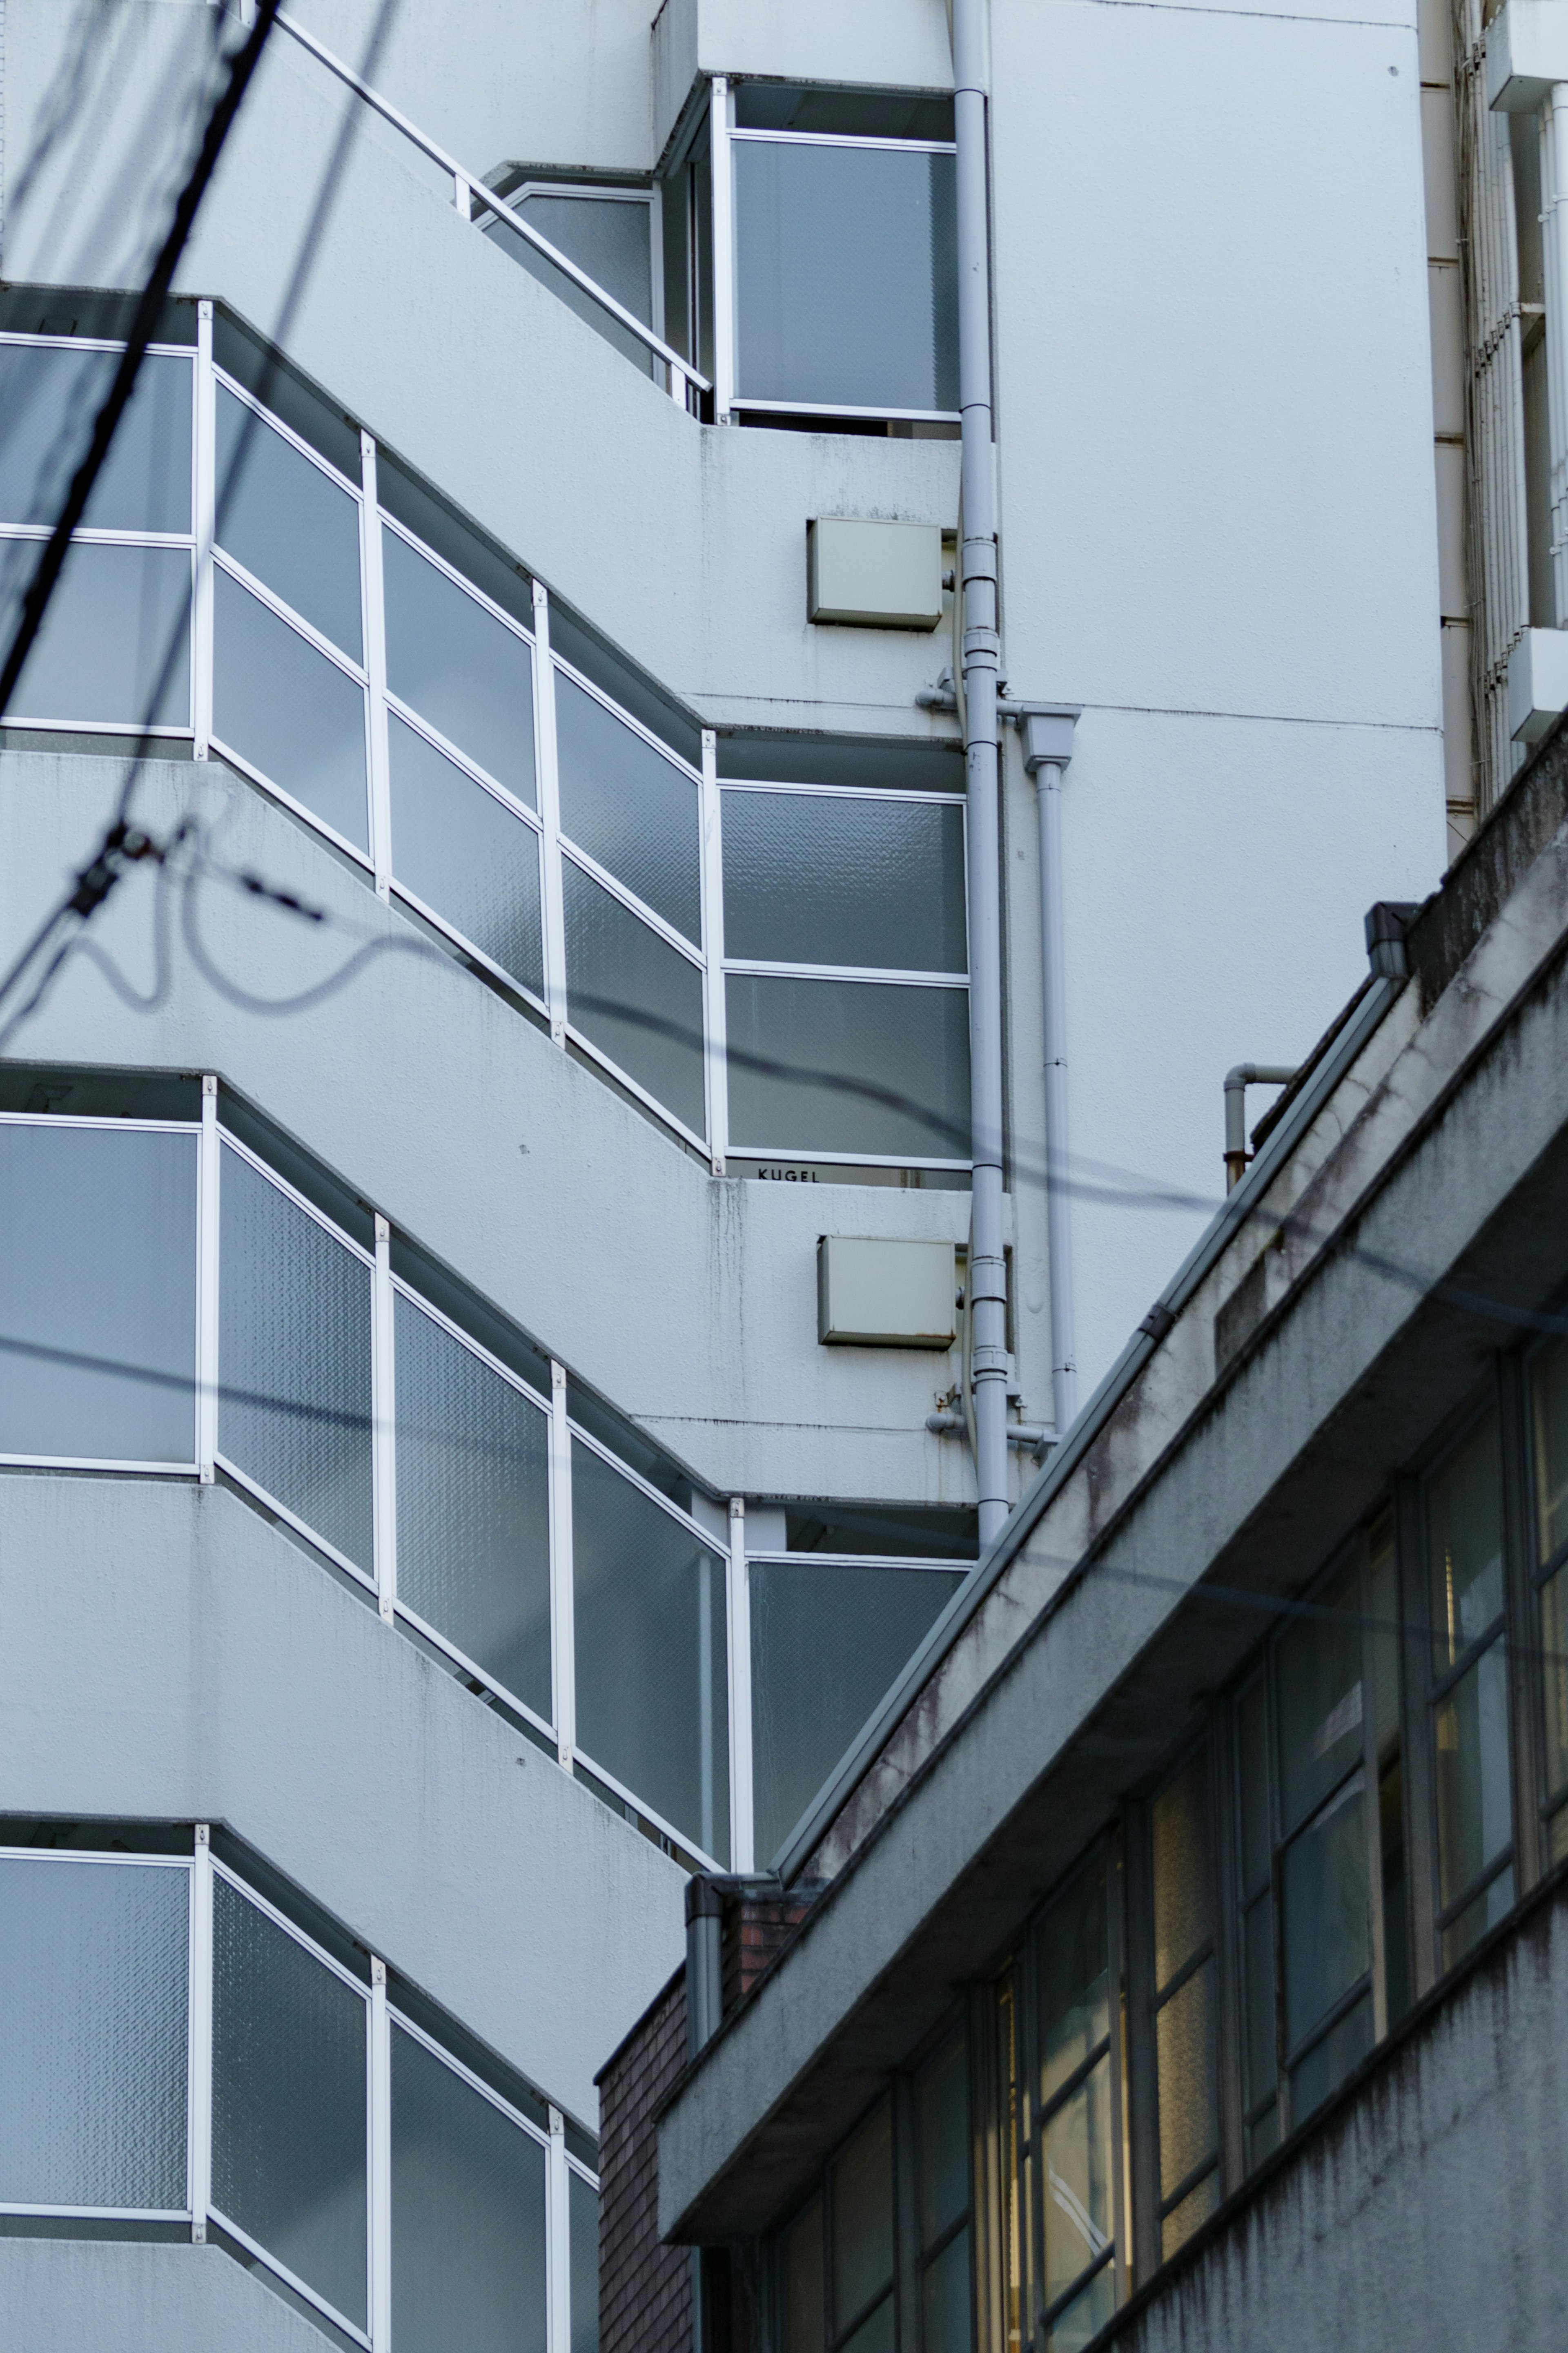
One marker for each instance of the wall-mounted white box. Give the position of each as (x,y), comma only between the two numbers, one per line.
(1527,54)
(874,1293)
(1537,684)
(873,575)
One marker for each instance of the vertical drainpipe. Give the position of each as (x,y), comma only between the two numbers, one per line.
(980,662)
(1047,735)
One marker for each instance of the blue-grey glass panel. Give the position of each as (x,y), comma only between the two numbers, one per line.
(458,667)
(875,2334)
(1074,1978)
(1252,1777)
(1327,1936)
(652,1687)
(946,2302)
(583,2214)
(1327,2063)
(98,1264)
(804,2282)
(1494,1903)
(467,2215)
(847,1066)
(1464,1528)
(636,998)
(1555,1678)
(1549,1418)
(473,1508)
(468,858)
(605,236)
(1079,2323)
(863,2217)
(813,878)
(941,2132)
(826,1643)
(294,1356)
(566,291)
(629,808)
(1258,1990)
(288,524)
(284,707)
(1320,1702)
(1078,2160)
(115,642)
(846,276)
(1475,1811)
(93,1975)
(289,2101)
(49,397)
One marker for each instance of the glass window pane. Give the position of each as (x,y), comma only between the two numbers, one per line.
(942,2122)
(1080,2321)
(1185,2035)
(845,279)
(1382,1639)
(810,878)
(605,236)
(1327,1937)
(945,2300)
(617,969)
(1252,1773)
(1180,1840)
(1074,1978)
(99,1263)
(288,524)
(1320,1698)
(289,2101)
(629,808)
(1493,1903)
(471,861)
(294,1356)
(115,643)
(863,2218)
(467,2215)
(583,2211)
(826,1644)
(49,396)
(1195,2210)
(473,1508)
(875,2334)
(1077,2175)
(1475,1814)
(1263,2137)
(1327,2063)
(1549,1400)
(1395,1919)
(804,2283)
(1257,1970)
(863,1067)
(652,1683)
(1464,1528)
(289,710)
(1555,1678)
(93,1975)
(458,667)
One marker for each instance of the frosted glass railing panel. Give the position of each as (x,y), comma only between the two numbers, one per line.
(614,960)
(629,808)
(290,711)
(912,1041)
(289,2157)
(114,646)
(651,1652)
(845,275)
(289,523)
(827,1644)
(98,1264)
(467,2215)
(468,856)
(458,667)
(816,878)
(583,2208)
(605,235)
(575,298)
(295,1358)
(49,395)
(473,1508)
(93,1977)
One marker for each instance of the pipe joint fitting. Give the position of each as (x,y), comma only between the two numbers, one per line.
(982,648)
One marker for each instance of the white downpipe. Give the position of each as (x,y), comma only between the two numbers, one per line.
(1554,258)
(1049,778)
(981,658)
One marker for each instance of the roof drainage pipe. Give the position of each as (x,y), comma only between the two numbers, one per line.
(980,663)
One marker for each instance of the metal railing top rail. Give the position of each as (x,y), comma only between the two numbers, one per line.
(469,185)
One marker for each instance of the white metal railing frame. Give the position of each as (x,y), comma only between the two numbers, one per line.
(683,383)
(201,2211)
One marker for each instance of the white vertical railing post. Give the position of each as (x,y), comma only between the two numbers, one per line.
(558,2240)
(723,179)
(204,499)
(384,1420)
(198,2187)
(463,195)
(738,1620)
(209,1162)
(718,1092)
(554,910)
(562,1629)
(379,2121)
(374,602)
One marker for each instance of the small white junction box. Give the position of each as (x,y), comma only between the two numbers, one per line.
(885,1295)
(874,575)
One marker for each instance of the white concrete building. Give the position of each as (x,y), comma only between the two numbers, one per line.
(496,1318)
